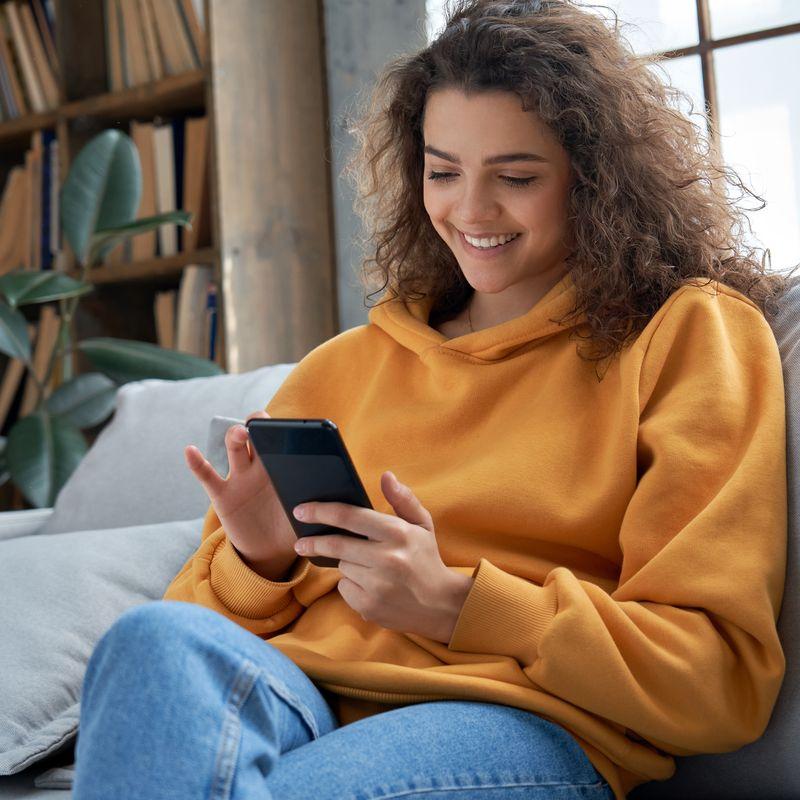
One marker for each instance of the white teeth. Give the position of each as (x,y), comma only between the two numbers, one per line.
(492,242)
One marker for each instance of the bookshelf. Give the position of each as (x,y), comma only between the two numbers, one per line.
(270,242)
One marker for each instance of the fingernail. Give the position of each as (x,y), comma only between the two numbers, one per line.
(300,512)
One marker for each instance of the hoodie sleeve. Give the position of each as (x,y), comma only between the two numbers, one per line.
(685,651)
(215,576)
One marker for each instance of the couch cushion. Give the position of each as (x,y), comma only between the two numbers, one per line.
(60,594)
(135,471)
(766,768)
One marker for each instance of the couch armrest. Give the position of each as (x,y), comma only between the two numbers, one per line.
(22,523)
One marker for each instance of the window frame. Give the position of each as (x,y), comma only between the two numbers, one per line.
(705,48)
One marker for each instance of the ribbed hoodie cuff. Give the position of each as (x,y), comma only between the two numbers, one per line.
(243,590)
(503,614)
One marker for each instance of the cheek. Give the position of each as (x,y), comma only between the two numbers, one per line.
(435,205)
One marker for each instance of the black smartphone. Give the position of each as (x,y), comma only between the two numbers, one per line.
(306,460)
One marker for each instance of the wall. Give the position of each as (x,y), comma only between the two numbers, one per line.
(360,37)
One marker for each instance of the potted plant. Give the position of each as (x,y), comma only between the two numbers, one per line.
(99,202)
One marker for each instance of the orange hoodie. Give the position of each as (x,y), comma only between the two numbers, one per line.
(627,537)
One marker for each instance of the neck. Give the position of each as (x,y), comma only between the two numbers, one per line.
(485,310)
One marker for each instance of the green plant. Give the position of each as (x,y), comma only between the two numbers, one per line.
(99,202)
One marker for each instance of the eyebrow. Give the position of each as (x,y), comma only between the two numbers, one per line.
(501,159)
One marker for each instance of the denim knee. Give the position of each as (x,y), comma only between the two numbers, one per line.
(152,632)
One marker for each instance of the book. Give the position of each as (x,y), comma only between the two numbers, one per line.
(114,68)
(178,148)
(39,57)
(195,181)
(172,37)
(183,35)
(11,70)
(197,35)
(210,323)
(144,245)
(30,78)
(192,301)
(6,100)
(13,211)
(46,340)
(55,199)
(46,34)
(45,208)
(12,377)
(164,310)
(151,39)
(34,158)
(137,66)
(165,186)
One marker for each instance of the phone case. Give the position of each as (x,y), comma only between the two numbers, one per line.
(306,460)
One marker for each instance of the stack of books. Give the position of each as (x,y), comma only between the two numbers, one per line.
(147,40)
(187,319)
(29,72)
(30,233)
(174,161)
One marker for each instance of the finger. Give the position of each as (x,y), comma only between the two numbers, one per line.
(236,438)
(203,471)
(359,574)
(255,415)
(338,545)
(367,521)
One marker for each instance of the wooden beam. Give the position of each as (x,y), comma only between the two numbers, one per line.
(273,200)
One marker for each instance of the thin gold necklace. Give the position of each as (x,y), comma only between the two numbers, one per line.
(469,320)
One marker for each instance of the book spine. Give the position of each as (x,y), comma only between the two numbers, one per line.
(211,315)
(29,75)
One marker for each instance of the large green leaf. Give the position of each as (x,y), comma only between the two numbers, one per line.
(102,189)
(106,240)
(124,360)
(26,287)
(84,401)
(42,452)
(14,339)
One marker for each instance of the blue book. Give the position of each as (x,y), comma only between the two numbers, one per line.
(211,317)
(48,137)
(178,128)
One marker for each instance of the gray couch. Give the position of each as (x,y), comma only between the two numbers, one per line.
(130,516)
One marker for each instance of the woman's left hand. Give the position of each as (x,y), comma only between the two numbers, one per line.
(395,577)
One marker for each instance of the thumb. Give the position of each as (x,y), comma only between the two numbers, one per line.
(404,502)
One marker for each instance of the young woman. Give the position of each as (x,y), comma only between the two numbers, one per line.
(572,375)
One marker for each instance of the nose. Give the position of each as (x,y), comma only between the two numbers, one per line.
(476,204)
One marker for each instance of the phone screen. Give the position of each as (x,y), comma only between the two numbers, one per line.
(307,460)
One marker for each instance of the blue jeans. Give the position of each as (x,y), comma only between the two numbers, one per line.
(180,702)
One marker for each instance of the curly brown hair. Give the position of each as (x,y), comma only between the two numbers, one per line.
(649,206)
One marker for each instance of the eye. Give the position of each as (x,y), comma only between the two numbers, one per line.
(517,183)
(441,176)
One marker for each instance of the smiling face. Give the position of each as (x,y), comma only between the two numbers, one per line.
(492,172)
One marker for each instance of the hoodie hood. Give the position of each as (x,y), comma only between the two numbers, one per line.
(406,321)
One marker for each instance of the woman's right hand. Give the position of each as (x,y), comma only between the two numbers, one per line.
(246,503)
